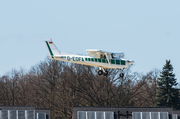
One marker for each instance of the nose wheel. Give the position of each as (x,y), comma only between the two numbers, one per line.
(121,75)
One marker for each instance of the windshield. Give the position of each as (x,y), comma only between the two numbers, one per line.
(113,55)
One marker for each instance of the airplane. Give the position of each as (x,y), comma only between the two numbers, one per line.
(98,58)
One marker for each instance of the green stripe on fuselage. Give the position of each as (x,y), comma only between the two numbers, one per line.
(116,62)
(49,49)
(98,60)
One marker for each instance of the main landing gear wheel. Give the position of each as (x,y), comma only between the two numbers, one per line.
(105,73)
(100,72)
(121,75)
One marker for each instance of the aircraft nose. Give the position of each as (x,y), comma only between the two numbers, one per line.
(130,61)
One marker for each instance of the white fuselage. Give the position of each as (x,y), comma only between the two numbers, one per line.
(116,63)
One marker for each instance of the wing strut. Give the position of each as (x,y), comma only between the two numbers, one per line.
(107,59)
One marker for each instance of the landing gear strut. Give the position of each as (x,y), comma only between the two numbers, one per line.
(105,73)
(121,74)
(102,71)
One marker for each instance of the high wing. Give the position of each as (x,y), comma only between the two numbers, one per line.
(97,53)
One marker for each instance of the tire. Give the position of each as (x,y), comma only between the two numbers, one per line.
(105,73)
(100,72)
(121,75)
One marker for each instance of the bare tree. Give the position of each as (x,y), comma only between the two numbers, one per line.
(10,88)
(60,86)
(45,78)
(147,92)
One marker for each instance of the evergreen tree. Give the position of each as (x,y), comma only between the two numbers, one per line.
(167,94)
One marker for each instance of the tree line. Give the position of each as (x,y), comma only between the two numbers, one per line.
(60,85)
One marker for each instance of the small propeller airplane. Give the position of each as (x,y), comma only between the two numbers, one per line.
(98,58)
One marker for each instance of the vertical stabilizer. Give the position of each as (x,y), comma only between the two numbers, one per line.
(51,49)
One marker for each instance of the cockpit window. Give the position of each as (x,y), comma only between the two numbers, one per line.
(113,55)
(103,56)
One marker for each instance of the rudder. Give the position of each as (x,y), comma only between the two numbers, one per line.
(51,49)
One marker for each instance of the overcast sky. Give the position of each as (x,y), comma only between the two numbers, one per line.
(148,32)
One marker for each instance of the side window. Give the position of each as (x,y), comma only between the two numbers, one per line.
(101,57)
(99,60)
(118,62)
(112,61)
(92,59)
(112,56)
(123,62)
(103,60)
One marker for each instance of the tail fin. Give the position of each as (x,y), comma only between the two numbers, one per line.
(51,49)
